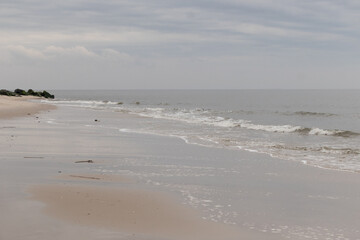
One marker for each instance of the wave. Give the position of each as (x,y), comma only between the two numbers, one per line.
(81,103)
(300,130)
(206,117)
(328,157)
(323,149)
(271,128)
(325,132)
(320,114)
(197,116)
(226,129)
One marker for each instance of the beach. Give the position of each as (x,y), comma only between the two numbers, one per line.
(81,199)
(179,120)
(11,107)
(66,174)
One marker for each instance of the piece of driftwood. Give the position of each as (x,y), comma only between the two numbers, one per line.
(85,161)
(77,176)
(34,157)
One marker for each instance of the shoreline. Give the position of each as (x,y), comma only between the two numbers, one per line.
(86,200)
(49,186)
(11,107)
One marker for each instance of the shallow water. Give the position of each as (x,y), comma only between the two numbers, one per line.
(316,127)
(283,199)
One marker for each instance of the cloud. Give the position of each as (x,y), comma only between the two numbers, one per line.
(156,21)
(102,24)
(73,51)
(21,51)
(113,55)
(135,36)
(281,33)
(54,53)
(97,37)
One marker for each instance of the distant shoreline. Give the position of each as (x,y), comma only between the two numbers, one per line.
(11,107)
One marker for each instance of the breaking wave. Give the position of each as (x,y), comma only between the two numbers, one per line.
(206,117)
(325,132)
(230,129)
(323,149)
(299,129)
(199,116)
(314,114)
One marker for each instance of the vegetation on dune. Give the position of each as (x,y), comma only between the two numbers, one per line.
(7,93)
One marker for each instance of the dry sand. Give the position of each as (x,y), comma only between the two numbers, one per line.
(11,107)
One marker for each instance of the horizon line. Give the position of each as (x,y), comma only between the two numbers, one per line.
(210,89)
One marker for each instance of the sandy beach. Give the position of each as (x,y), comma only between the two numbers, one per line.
(11,107)
(74,179)
(34,204)
(179,120)
(128,210)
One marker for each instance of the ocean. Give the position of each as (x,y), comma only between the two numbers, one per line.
(284,163)
(320,128)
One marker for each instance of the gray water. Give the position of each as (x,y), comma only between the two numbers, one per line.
(219,151)
(315,127)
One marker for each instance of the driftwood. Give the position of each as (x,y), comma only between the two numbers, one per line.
(85,161)
(93,178)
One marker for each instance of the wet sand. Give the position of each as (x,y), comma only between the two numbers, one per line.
(128,210)
(79,203)
(96,178)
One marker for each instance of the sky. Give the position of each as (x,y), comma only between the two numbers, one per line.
(180,44)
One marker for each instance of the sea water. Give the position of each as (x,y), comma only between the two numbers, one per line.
(285,163)
(316,127)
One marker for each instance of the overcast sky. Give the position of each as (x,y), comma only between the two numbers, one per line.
(163,44)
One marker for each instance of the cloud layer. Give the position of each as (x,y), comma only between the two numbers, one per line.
(275,41)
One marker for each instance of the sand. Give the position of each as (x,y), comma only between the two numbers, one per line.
(103,178)
(129,210)
(102,204)
(11,107)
